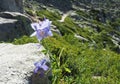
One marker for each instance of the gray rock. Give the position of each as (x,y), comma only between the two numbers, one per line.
(11,5)
(4,21)
(13,25)
(17,63)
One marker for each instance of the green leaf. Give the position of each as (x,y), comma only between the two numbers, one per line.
(67,70)
(57,71)
(44,51)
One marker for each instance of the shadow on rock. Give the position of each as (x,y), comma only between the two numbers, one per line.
(13,25)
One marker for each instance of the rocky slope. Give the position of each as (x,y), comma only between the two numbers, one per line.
(94,20)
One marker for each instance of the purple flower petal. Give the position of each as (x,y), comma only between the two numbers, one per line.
(45,24)
(41,67)
(39,36)
(50,33)
(43,61)
(35,26)
(42,29)
(36,70)
(45,67)
(36,63)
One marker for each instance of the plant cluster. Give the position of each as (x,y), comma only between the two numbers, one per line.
(79,63)
(75,61)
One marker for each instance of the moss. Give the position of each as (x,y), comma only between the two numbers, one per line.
(24,40)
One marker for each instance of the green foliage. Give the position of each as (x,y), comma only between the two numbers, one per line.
(24,40)
(82,13)
(63,28)
(116,23)
(78,62)
(82,62)
(29,11)
(51,15)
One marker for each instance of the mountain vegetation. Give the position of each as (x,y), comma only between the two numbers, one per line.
(87,50)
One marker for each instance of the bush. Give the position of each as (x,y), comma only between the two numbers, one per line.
(83,63)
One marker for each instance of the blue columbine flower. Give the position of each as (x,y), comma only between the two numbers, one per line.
(42,29)
(41,66)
